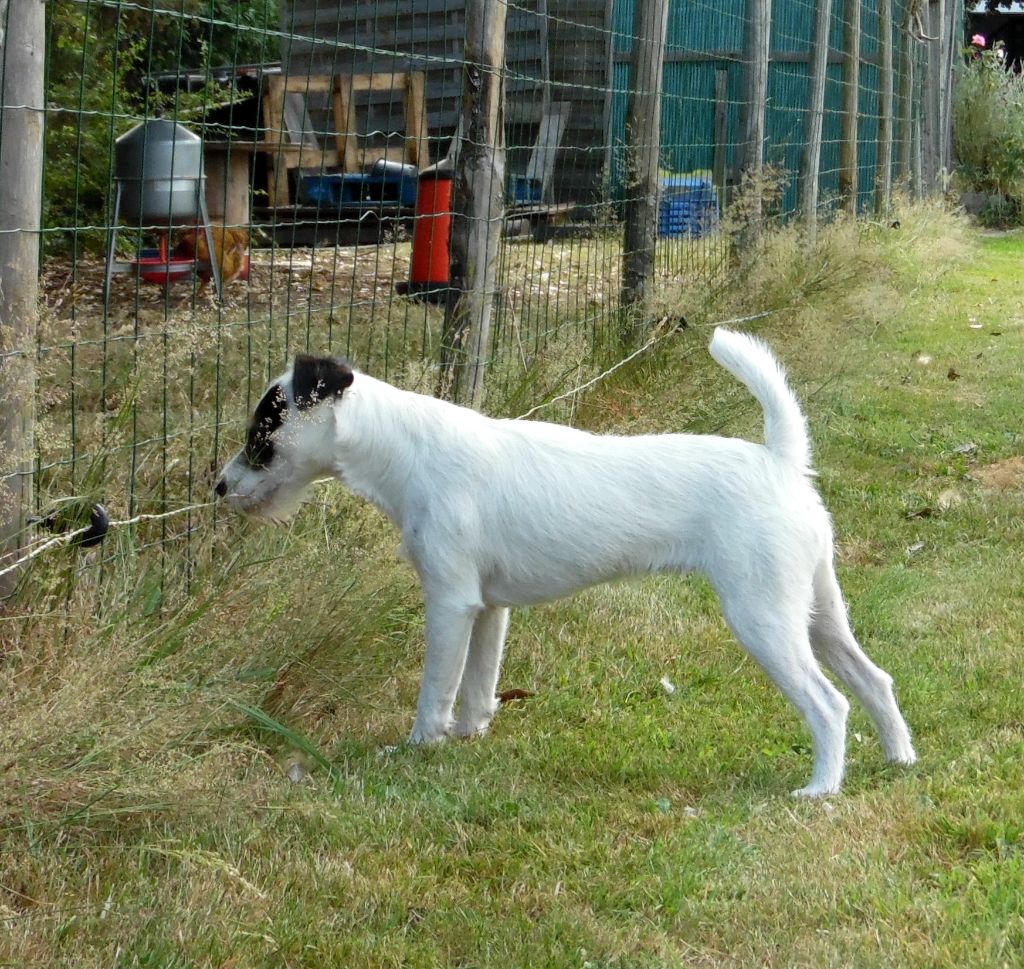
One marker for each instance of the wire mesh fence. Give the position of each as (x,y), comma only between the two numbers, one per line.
(327,133)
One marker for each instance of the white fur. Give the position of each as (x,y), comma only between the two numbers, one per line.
(500,513)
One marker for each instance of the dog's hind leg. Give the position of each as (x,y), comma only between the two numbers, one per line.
(448,628)
(835,645)
(779,643)
(477,701)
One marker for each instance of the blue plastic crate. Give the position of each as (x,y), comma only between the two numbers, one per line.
(688,206)
(334,190)
(389,184)
(525,190)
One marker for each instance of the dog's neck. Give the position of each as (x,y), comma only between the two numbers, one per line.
(382,437)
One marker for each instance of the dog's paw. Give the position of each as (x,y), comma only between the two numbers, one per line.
(904,755)
(428,733)
(471,728)
(815,791)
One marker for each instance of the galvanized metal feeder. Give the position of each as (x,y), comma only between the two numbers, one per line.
(159,184)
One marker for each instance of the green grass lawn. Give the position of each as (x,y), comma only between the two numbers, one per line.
(147,817)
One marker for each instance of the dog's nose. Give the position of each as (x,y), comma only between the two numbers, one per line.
(220,488)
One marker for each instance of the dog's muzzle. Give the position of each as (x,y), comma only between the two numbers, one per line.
(220,488)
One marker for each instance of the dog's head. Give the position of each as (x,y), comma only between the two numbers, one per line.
(288,443)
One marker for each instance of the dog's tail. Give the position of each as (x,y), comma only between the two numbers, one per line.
(751,362)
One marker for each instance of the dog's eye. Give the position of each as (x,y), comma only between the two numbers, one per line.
(267,418)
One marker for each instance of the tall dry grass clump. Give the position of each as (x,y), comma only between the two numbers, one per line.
(856,267)
(858,272)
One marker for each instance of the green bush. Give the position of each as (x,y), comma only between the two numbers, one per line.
(988,127)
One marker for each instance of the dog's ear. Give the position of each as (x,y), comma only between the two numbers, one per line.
(315,379)
(266,419)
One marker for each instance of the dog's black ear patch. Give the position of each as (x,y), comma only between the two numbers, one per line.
(267,418)
(315,379)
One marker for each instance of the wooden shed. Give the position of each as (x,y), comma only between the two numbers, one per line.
(557,52)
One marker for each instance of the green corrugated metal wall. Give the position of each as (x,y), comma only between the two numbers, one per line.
(688,105)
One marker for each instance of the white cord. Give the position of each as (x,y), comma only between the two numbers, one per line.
(658,336)
(71,536)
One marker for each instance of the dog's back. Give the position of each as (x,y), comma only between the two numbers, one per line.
(603,506)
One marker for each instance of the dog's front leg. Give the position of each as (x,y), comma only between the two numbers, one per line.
(477,701)
(448,628)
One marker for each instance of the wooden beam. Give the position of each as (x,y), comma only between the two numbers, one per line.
(345,123)
(417,147)
(643,153)
(385,81)
(278,193)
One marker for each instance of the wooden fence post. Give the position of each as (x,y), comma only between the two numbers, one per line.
(811,163)
(479,203)
(905,136)
(848,181)
(883,169)
(22,51)
(931,109)
(643,151)
(917,157)
(756,57)
(609,98)
(952,21)
(718,176)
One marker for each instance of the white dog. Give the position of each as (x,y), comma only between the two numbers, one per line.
(500,513)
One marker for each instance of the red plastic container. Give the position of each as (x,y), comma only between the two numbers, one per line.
(430,272)
(163,270)
(160,267)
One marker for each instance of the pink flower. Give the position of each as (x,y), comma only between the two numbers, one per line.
(978,40)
